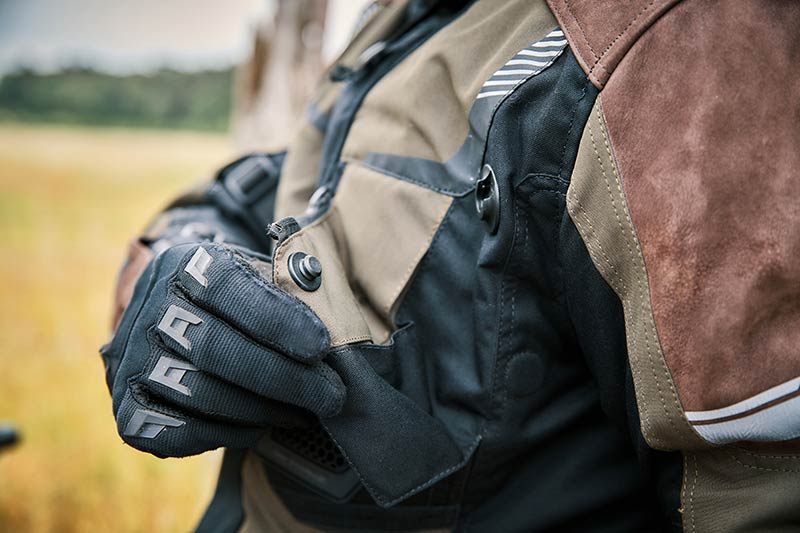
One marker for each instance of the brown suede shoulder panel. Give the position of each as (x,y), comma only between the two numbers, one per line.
(704,117)
(601,33)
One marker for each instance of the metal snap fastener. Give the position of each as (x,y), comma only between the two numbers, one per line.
(306,271)
(487,199)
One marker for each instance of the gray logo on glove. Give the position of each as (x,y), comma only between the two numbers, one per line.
(148,424)
(175,322)
(169,372)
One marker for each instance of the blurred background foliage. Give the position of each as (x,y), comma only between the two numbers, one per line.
(163,99)
(88,154)
(70,200)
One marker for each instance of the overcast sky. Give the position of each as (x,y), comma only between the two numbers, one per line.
(134,35)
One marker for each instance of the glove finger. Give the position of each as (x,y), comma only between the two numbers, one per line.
(179,383)
(165,432)
(218,349)
(224,282)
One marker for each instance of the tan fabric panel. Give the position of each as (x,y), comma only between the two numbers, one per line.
(598,207)
(300,171)
(264,511)
(370,243)
(334,301)
(420,108)
(601,33)
(301,167)
(729,490)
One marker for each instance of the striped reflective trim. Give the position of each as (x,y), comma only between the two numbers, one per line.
(547,44)
(539,53)
(519,72)
(535,57)
(772,415)
(528,62)
(492,83)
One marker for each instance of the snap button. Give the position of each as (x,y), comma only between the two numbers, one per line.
(487,199)
(306,271)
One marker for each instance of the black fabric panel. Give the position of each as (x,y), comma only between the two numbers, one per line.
(597,315)
(424,19)
(225,513)
(550,459)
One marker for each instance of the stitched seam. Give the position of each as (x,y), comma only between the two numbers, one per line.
(357,338)
(769,456)
(436,477)
(569,131)
(598,61)
(423,249)
(650,326)
(501,338)
(443,190)
(764,468)
(513,321)
(634,336)
(590,231)
(591,241)
(580,28)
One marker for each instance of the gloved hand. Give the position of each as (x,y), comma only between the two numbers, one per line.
(210,352)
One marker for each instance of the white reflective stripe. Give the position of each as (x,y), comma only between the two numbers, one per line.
(528,62)
(543,44)
(556,33)
(777,423)
(492,93)
(514,72)
(748,404)
(535,53)
(492,83)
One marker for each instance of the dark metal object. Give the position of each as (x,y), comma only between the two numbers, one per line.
(487,199)
(8,436)
(306,271)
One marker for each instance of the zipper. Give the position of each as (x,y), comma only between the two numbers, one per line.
(372,65)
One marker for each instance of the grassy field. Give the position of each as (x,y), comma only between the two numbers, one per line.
(70,199)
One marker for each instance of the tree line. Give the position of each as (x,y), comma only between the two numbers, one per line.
(162,99)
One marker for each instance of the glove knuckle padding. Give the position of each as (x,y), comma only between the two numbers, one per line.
(173,379)
(168,433)
(209,352)
(235,292)
(220,350)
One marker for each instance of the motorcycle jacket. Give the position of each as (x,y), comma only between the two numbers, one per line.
(557,247)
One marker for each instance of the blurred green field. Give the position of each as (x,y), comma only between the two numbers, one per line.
(70,199)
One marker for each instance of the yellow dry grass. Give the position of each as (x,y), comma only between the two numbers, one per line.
(70,199)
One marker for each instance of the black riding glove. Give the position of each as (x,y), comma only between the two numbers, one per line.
(210,352)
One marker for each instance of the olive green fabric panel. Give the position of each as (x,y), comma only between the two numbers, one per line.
(420,108)
(597,205)
(735,490)
(301,167)
(369,243)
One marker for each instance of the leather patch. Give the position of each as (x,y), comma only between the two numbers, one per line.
(139,256)
(601,33)
(708,154)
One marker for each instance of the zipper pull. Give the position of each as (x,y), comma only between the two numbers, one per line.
(282,229)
